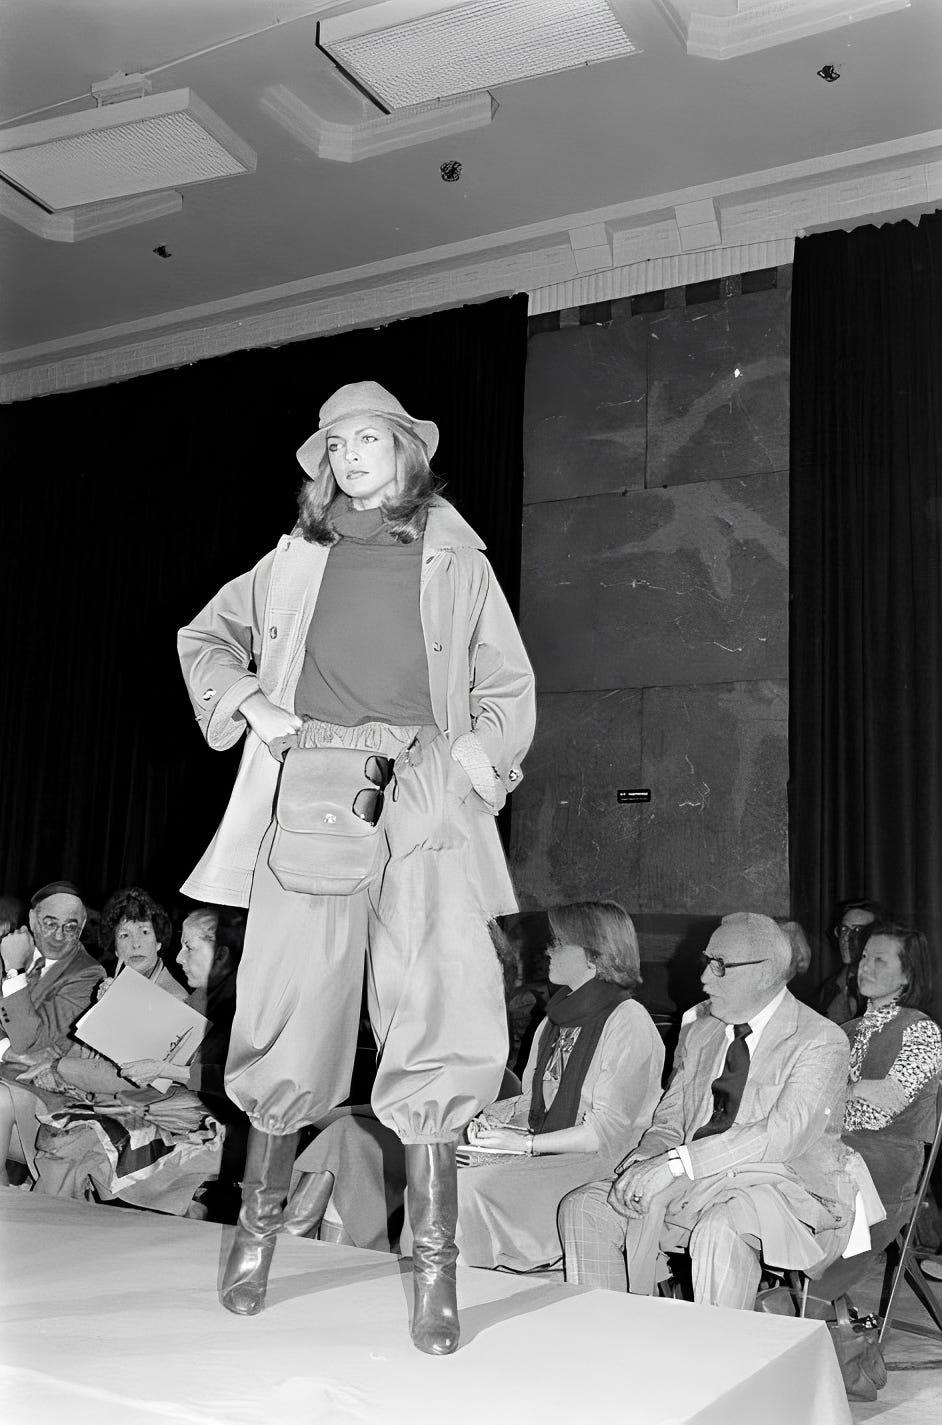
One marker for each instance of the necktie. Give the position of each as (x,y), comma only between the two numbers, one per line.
(728,1088)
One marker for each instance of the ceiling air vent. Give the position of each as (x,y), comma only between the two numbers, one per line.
(406,52)
(119,149)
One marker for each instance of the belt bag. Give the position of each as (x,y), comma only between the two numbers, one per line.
(321,847)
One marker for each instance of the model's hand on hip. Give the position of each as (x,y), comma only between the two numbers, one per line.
(267,720)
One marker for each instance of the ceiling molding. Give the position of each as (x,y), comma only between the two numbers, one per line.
(91,219)
(667,240)
(708,30)
(348,143)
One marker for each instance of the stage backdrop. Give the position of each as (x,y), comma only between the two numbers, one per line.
(866,544)
(654,602)
(126,507)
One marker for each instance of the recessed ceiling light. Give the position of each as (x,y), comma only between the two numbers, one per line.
(116,150)
(405,52)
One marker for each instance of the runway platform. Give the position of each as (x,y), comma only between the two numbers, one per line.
(110,1317)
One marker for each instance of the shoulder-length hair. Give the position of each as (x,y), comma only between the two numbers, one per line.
(416,488)
(606,932)
(914,959)
(136,904)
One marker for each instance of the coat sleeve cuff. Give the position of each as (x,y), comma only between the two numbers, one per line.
(224,728)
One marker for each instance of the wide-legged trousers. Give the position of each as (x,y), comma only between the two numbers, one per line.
(435,990)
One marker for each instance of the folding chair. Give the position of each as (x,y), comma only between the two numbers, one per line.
(907,1265)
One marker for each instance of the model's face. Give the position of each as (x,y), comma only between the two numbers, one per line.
(880,974)
(196,958)
(136,945)
(56,924)
(362,456)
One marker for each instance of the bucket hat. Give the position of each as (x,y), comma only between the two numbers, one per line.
(360,398)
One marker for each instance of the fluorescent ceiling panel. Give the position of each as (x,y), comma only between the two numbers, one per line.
(407,52)
(137,146)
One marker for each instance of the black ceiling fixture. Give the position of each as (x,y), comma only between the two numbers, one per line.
(829,73)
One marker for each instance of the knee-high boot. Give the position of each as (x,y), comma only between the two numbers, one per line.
(268,1166)
(432,1178)
(308,1203)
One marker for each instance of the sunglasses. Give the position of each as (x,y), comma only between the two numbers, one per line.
(719,966)
(368,804)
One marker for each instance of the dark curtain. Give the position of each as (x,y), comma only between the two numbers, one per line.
(126,507)
(865,796)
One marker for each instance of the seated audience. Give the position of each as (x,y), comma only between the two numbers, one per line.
(743,1160)
(48,983)
(838,998)
(107,1132)
(589,1087)
(895,1061)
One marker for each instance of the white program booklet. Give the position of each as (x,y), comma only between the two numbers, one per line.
(136,1019)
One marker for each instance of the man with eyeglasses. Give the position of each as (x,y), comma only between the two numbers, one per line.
(49,979)
(743,1161)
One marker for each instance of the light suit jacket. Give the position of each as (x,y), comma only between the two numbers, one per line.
(480,681)
(40,1015)
(792,1107)
(786,1137)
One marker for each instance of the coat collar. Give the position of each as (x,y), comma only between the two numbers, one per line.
(446,529)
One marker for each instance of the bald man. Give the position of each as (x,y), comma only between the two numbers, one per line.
(49,979)
(743,1160)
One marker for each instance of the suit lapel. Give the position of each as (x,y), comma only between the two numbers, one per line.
(780,1027)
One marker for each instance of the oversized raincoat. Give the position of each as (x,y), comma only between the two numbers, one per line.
(434,984)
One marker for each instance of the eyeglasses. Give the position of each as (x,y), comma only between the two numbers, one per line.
(368,804)
(68,929)
(719,966)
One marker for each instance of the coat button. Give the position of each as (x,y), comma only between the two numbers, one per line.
(513,776)
(273,632)
(436,648)
(209,695)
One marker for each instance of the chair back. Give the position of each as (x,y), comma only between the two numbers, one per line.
(907,1266)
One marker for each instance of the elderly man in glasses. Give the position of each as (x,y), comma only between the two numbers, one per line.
(48,977)
(743,1161)
(49,980)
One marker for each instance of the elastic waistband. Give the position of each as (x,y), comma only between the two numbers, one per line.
(382,737)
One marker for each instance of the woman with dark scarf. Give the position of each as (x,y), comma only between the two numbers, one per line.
(590,1088)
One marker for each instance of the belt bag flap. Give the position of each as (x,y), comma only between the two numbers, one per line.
(320,846)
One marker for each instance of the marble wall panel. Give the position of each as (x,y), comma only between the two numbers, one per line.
(570,839)
(685,585)
(584,415)
(713,839)
(718,389)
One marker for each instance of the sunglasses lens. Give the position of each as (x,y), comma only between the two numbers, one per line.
(368,805)
(378,770)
